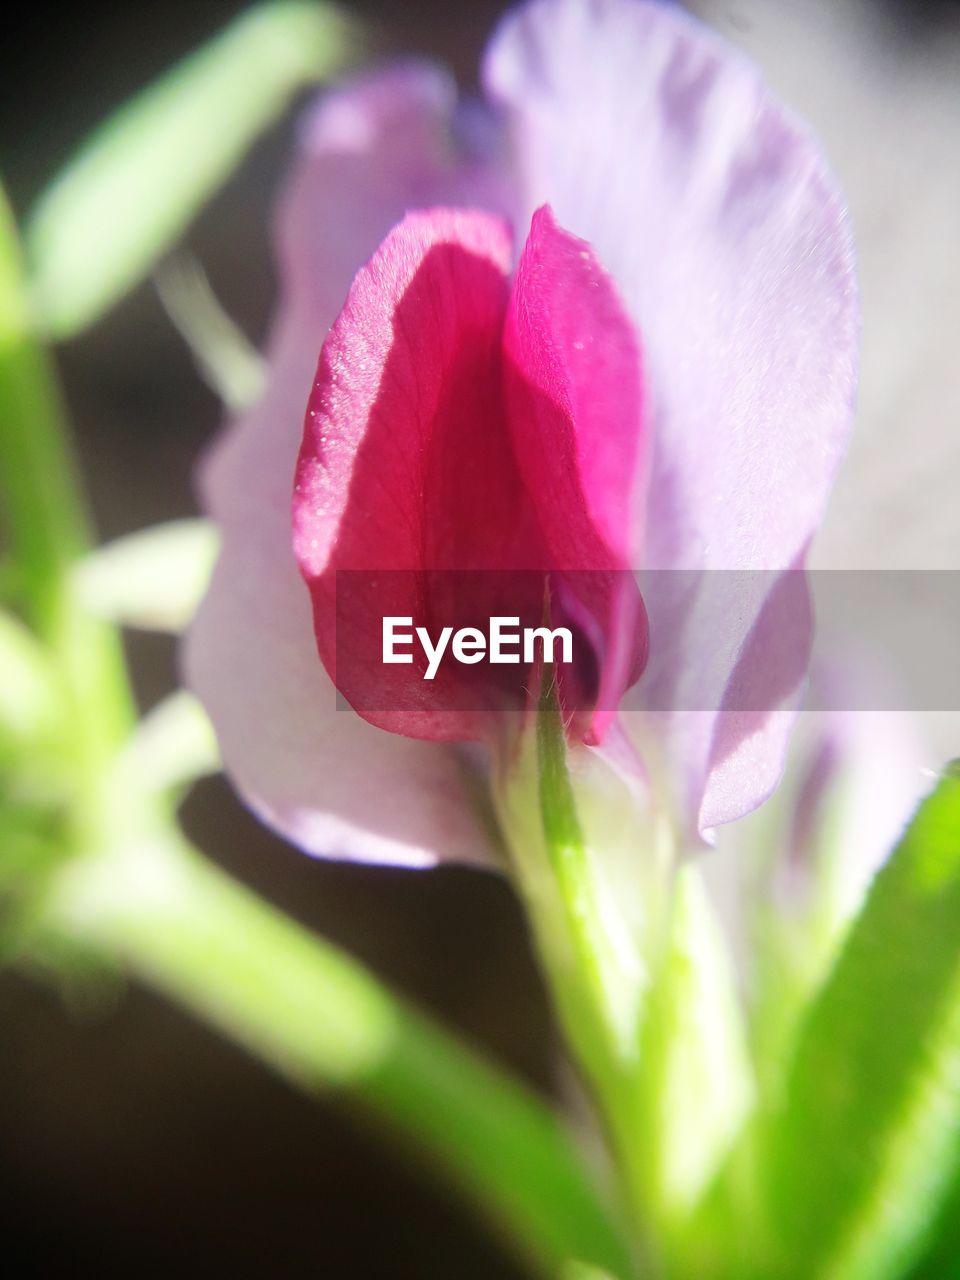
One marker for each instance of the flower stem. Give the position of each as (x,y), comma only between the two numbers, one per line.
(48,527)
(323,1022)
(597,985)
(47,523)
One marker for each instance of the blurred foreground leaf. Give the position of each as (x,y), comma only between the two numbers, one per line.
(941,1259)
(135,185)
(153,579)
(172,746)
(866,1139)
(28,687)
(224,357)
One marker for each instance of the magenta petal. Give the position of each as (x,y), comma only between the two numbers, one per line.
(723,229)
(580,433)
(408,499)
(322,777)
(576,411)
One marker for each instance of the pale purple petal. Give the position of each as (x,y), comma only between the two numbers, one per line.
(717,217)
(321,776)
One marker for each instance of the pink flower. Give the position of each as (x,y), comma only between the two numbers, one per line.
(715,246)
(469,445)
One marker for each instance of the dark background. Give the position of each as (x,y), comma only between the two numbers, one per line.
(132,1140)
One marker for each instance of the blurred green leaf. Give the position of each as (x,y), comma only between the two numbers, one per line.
(141,177)
(224,357)
(34,787)
(172,746)
(862,1148)
(153,579)
(580,1271)
(28,687)
(941,1257)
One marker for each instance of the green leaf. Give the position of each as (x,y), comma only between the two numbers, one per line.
(224,357)
(172,746)
(28,688)
(862,1148)
(580,1271)
(941,1258)
(153,579)
(142,176)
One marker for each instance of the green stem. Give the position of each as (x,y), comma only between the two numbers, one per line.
(321,1021)
(48,529)
(48,526)
(596,986)
(587,999)
(568,861)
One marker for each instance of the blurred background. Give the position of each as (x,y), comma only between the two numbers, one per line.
(132,1139)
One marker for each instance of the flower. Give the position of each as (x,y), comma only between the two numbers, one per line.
(716,237)
(469,445)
